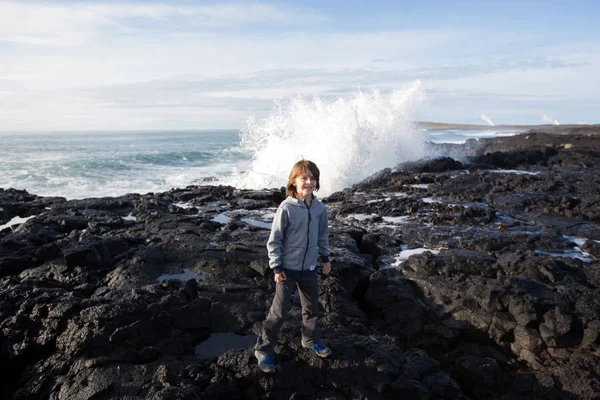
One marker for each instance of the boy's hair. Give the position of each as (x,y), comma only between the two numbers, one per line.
(301,167)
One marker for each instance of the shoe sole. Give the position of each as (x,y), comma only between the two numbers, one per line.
(267,370)
(318,355)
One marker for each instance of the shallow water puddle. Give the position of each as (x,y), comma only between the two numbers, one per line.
(219,343)
(16,221)
(186,275)
(430,200)
(513,171)
(257,218)
(258,224)
(472,204)
(464,172)
(101,291)
(185,206)
(361,217)
(393,222)
(579,241)
(129,218)
(397,194)
(575,253)
(378,200)
(406,253)
(420,185)
(500,216)
(222,219)
(397,220)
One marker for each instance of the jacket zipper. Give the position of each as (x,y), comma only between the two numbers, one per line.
(307,235)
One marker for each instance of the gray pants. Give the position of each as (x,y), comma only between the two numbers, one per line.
(308,286)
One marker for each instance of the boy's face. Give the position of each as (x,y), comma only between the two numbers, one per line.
(305,184)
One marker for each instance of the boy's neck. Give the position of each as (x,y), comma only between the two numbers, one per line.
(306,199)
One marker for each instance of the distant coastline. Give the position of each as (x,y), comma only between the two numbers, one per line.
(547,128)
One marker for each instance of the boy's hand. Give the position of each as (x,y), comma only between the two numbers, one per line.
(326,268)
(280,277)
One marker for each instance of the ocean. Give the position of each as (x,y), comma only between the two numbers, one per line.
(348,138)
(81,165)
(88,164)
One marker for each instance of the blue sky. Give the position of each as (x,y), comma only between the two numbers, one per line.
(108,65)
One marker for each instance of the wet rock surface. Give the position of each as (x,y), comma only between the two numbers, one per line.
(472,277)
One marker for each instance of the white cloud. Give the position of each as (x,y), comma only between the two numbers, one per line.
(76,23)
(144,65)
(211,56)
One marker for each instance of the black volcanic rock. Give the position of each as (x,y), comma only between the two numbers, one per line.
(450,279)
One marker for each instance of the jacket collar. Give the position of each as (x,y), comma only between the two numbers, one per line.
(298,202)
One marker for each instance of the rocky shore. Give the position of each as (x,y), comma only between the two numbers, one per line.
(471,276)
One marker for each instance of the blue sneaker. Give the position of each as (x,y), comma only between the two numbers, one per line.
(266,362)
(319,348)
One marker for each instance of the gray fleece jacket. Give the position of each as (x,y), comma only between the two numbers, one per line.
(299,235)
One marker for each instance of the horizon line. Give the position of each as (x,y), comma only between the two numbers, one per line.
(433,125)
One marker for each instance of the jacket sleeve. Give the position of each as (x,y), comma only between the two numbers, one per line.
(275,242)
(323,241)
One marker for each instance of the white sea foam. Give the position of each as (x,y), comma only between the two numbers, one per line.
(348,138)
(461,136)
(151,179)
(488,134)
(461,141)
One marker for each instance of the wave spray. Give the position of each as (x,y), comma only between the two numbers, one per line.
(487,119)
(348,138)
(547,118)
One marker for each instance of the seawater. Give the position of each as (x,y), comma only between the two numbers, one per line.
(93,164)
(461,136)
(349,138)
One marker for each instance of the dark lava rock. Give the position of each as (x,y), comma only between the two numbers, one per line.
(450,280)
